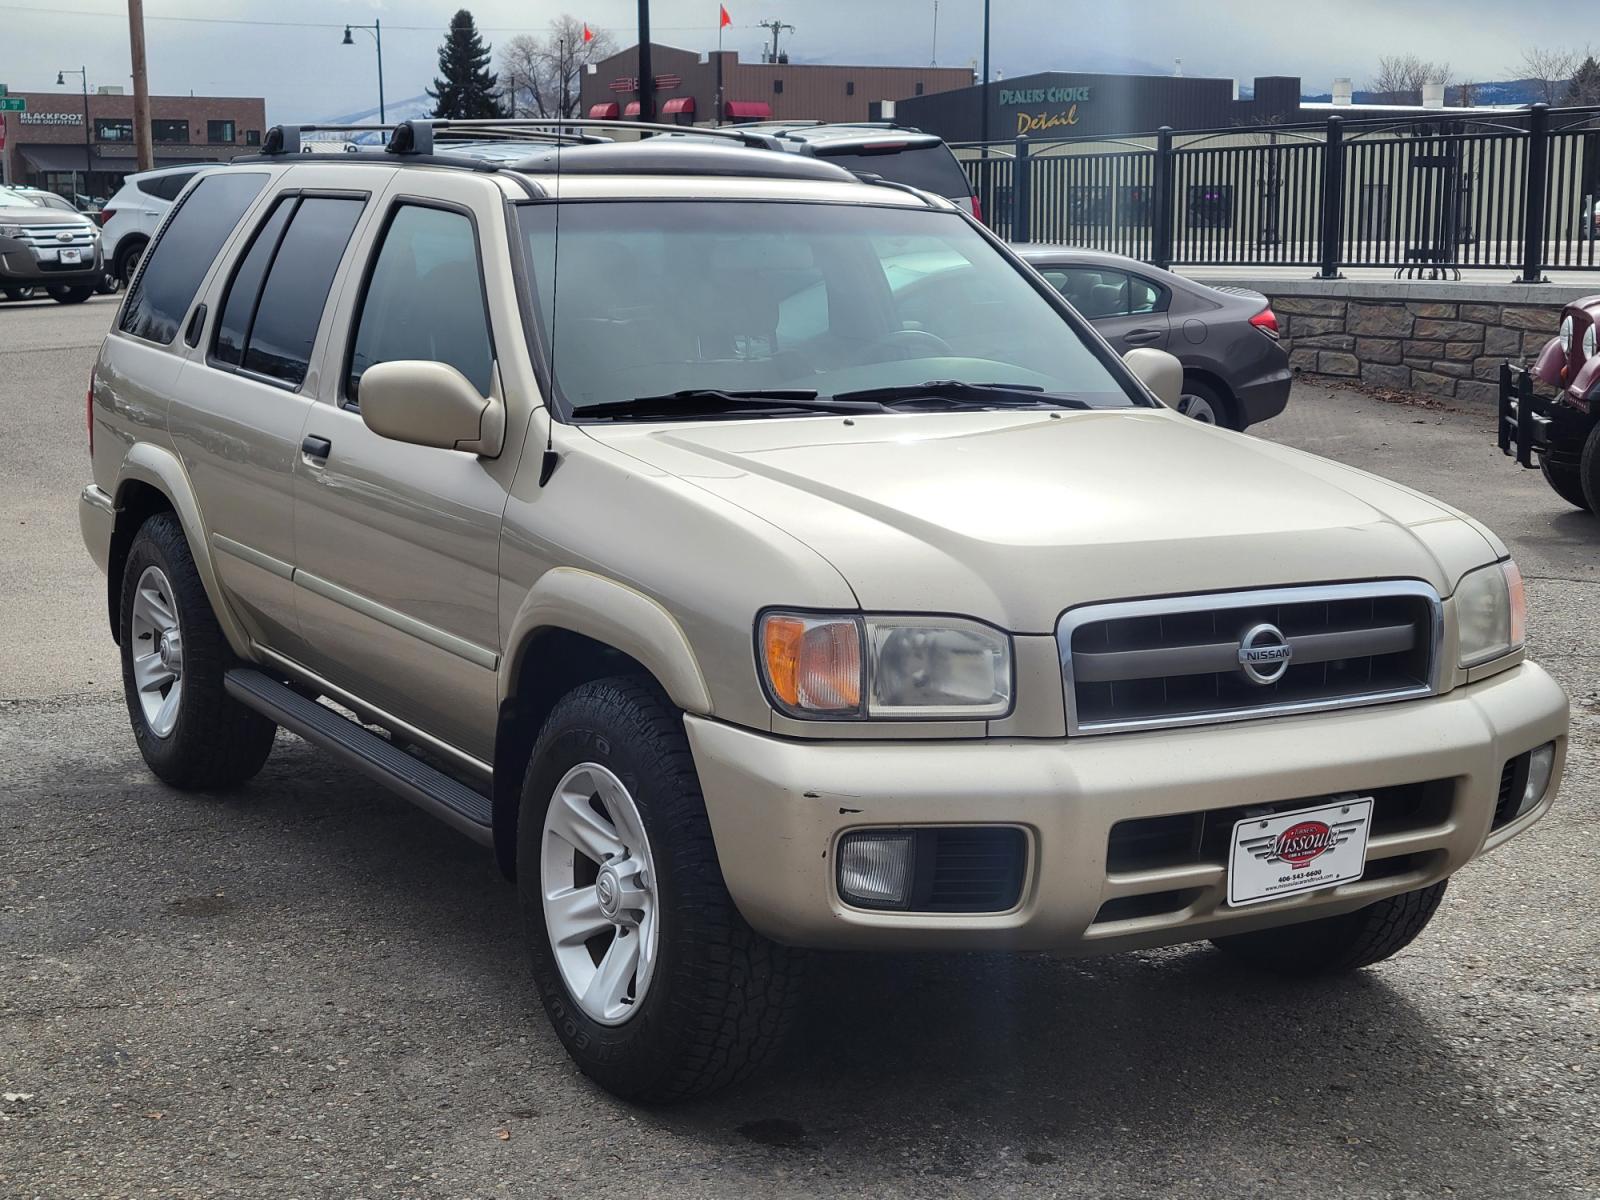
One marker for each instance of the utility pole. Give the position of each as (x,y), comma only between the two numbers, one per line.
(647,79)
(776,26)
(143,152)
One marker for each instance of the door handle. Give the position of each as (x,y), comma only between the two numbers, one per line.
(1140,336)
(316,449)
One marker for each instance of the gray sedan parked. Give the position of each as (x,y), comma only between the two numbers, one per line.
(1234,371)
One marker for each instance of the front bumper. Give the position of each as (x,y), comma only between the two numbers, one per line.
(778,807)
(24,266)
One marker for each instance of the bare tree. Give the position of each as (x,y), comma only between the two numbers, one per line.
(542,76)
(1551,70)
(1400,78)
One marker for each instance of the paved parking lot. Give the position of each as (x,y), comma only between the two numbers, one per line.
(307,989)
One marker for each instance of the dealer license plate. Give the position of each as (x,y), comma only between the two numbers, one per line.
(1289,853)
(71,256)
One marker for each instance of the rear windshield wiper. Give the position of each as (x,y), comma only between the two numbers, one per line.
(957,391)
(699,402)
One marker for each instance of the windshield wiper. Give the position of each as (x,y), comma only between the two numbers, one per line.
(699,402)
(957,391)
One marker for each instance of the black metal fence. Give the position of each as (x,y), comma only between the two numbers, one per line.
(1429,194)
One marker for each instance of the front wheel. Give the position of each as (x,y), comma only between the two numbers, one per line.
(174,655)
(655,984)
(1333,945)
(72,295)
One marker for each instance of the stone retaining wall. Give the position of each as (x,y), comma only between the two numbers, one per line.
(1438,347)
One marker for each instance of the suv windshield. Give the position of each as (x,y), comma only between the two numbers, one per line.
(647,299)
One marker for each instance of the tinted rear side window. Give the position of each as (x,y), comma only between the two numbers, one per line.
(182,255)
(166,187)
(931,168)
(269,324)
(425,298)
(239,309)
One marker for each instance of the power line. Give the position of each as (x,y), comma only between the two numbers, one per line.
(95,12)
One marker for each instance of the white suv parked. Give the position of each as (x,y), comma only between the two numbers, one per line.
(130,218)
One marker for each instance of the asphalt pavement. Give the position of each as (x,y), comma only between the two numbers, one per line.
(308,989)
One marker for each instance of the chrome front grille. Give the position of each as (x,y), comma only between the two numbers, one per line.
(46,237)
(1177,661)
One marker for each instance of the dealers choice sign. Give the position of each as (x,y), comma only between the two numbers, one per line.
(1061,106)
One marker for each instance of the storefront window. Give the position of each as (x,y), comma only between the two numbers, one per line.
(113,129)
(170,129)
(219,131)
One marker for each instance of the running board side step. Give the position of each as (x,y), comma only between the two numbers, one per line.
(436,793)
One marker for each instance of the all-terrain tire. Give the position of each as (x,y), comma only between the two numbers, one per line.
(1334,945)
(721,997)
(1589,470)
(216,742)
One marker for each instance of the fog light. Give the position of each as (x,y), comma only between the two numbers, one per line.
(1541,764)
(875,869)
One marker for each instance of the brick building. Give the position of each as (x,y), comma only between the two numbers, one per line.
(46,145)
(686,87)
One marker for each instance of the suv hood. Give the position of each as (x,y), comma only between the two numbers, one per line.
(33,215)
(1013,517)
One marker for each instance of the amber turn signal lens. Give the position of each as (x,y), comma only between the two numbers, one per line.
(813,664)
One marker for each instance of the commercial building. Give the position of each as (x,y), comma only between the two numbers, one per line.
(56,145)
(1062,104)
(687,87)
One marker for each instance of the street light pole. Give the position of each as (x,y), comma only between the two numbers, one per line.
(376,30)
(647,81)
(88,150)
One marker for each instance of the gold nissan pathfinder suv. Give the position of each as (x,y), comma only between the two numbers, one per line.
(758,558)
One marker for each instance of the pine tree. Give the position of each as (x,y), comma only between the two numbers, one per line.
(1585,86)
(467,89)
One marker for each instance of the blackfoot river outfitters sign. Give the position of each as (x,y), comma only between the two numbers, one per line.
(1039,121)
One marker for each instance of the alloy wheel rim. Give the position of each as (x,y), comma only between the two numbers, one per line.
(1197,408)
(598,883)
(157,650)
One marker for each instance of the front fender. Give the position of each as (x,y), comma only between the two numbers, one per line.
(617,615)
(161,469)
(1548,366)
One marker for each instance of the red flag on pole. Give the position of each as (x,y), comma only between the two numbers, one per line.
(726,19)
(588,34)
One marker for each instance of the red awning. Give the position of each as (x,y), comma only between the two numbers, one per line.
(632,110)
(678,104)
(748,110)
(609,111)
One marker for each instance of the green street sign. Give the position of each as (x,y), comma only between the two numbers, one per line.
(13,104)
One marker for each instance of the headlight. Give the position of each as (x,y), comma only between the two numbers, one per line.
(1565,334)
(1588,342)
(1491,613)
(906,668)
(11,231)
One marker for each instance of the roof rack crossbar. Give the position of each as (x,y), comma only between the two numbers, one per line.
(419,137)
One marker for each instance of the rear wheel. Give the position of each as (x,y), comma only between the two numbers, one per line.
(128,261)
(653,981)
(1333,945)
(72,295)
(191,733)
(1204,403)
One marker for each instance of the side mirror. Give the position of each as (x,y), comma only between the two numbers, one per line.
(1159,371)
(430,404)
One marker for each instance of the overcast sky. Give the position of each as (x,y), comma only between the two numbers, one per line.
(304,72)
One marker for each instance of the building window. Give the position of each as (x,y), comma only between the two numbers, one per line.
(219,131)
(169,129)
(113,129)
(1210,206)
(252,137)
(919,89)
(777,87)
(1133,206)
(850,88)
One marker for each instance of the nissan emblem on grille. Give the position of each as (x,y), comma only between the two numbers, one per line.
(1264,654)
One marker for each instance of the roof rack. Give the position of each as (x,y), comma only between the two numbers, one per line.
(418,137)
